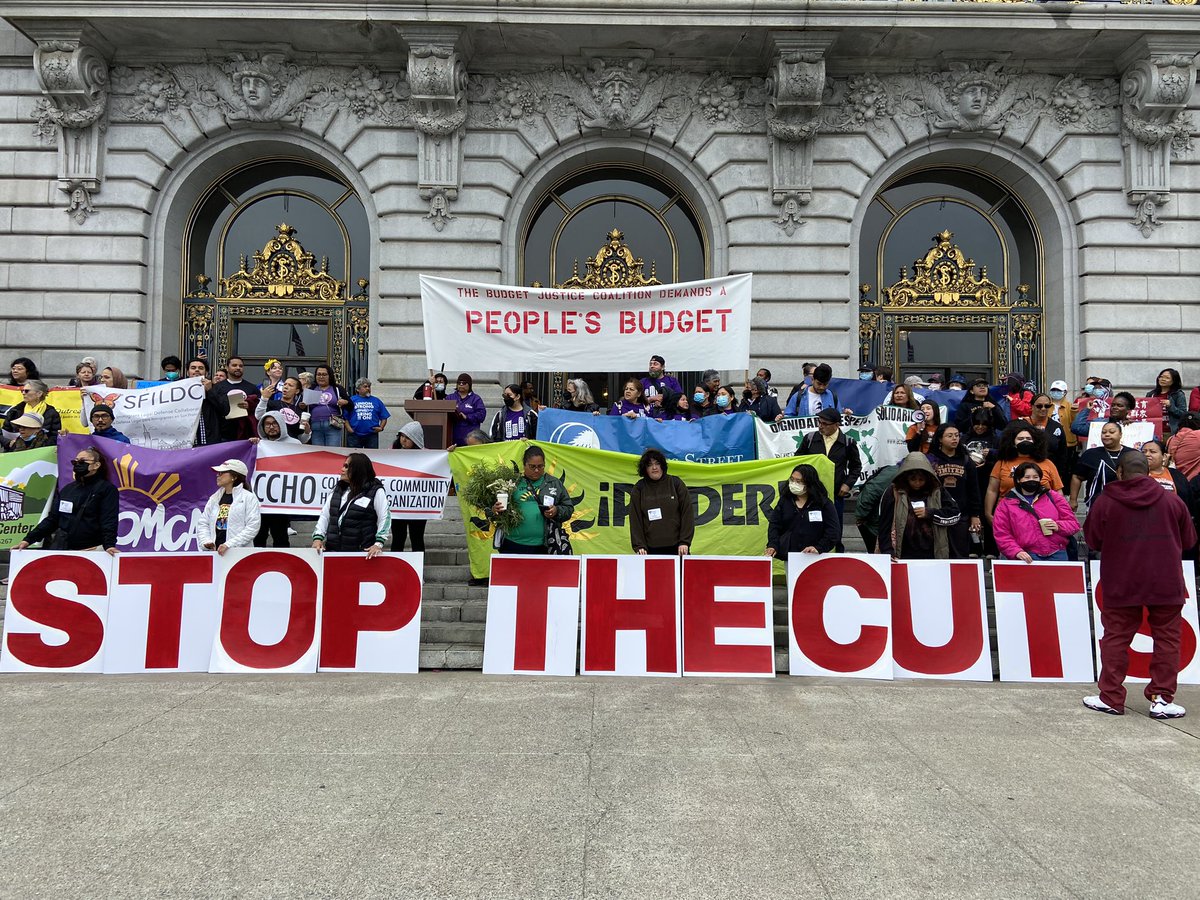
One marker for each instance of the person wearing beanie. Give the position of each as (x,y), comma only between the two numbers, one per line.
(411,436)
(102,423)
(657,382)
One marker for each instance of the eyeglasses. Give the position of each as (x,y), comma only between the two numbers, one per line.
(27,391)
(101,415)
(1043,406)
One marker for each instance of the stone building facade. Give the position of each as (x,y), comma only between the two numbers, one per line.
(931,185)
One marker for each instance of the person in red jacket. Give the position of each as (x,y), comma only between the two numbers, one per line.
(1141,532)
(1020,401)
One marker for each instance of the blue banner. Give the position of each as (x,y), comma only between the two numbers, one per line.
(713,439)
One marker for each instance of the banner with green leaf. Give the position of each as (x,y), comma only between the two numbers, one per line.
(27,482)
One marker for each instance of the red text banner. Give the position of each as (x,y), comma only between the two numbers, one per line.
(532,616)
(939,621)
(695,325)
(630,616)
(1043,631)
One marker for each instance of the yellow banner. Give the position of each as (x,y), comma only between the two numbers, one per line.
(732,499)
(67,401)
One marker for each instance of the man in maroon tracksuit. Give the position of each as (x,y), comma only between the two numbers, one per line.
(1141,532)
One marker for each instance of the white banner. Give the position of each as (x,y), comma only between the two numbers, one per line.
(294,478)
(695,325)
(880,436)
(162,417)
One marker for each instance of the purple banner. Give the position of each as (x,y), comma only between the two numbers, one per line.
(161,491)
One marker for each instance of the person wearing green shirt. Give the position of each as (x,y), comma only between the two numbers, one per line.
(541,499)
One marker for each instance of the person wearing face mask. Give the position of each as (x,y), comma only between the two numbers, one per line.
(577,397)
(1020,401)
(662,521)
(1094,393)
(829,440)
(232,515)
(30,435)
(726,400)
(1098,466)
(866,373)
(702,403)
(172,368)
(1019,443)
(1063,413)
(912,523)
(657,380)
(82,515)
(1031,522)
(516,421)
(435,388)
(804,520)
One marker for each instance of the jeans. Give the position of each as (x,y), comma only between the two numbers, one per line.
(1056,556)
(363,441)
(325,435)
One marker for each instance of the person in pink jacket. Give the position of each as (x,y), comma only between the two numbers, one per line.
(1032,522)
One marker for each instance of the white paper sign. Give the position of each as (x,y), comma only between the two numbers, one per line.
(371,612)
(939,620)
(532,616)
(630,616)
(1043,632)
(162,417)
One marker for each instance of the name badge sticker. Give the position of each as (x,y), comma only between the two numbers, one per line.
(654,514)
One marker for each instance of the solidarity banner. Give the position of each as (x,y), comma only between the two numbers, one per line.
(294,478)
(880,436)
(66,400)
(163,417)
(731,500)
(713,439)
(27,482)
(695,325)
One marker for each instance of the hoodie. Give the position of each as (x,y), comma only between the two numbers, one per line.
(1141,532)
(284,437)
(903,535)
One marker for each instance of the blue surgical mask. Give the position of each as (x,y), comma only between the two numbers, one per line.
(1101,392)
(1056,395)
(722,401)
(171,376)
(698,397)
(865,376)
(1089,389)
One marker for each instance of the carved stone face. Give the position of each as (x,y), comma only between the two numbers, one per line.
(972,101)
(256,91)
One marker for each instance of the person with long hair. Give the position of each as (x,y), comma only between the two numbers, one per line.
(919,436)
(1170,478)
(960,482)
(901,396)
(111,376)
(82,514)
(1032,522)
(290,403)
(1019,442)
(661,519)
(912,523)
(1097,467)
(232,515)
(357,517)
(334,400)
(1041,418)
(805,519)
(1168,390)
(979,397)
(577,397)
(726,400)
(22,369)
(271,387)
(632,404)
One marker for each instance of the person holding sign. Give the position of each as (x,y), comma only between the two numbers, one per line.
(662,521)
(542,502)
(357,516)
(829,440)
(804,520)
(30,435)
(83,514)
(232,515)
(1032,522)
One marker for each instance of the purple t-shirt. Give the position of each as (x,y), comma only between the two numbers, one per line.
(514,425)
(472,407)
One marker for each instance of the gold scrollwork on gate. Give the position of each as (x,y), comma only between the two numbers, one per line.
(613,266)
(358,329)
(945,278)
(283,270)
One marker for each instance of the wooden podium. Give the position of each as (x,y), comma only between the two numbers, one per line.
(436,418)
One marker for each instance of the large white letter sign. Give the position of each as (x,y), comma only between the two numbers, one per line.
(162,613)
(1042,627)
(532,616)
(270,604)
(839,615)
(57,604)
(1142,647)
(728,628)
(371,612)
(630,615)
(939,621)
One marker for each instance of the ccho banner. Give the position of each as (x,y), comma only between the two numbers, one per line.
(695,325)
(291,478)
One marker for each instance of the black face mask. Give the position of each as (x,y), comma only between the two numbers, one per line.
(510,402)
(1031,487)
(80,467)
(1025,448)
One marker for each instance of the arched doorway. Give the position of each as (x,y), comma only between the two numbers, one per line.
(275,265)
(612,225)
(952,265)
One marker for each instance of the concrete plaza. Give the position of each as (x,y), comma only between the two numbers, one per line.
(463,785)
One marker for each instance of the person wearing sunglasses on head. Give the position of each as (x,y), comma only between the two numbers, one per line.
(1041,417)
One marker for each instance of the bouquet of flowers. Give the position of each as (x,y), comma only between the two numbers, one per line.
(484,483)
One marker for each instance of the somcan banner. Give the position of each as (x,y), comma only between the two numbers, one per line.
(731,500)
(27,482)
(695,325)
(160,418)
(66,400)
(713,439)
(294,478)
(880,435)
(161,492)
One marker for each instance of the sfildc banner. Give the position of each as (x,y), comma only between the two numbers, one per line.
(694,325)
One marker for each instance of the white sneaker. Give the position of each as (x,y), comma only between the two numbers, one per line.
(1094,702)
(1164,709)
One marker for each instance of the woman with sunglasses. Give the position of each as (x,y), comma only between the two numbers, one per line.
(1041,418)
(34,393)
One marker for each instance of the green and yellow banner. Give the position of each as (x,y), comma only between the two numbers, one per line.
(732,500)
(27,482)
(67,401)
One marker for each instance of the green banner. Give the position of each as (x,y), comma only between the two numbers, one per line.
(732,500)
(27,482)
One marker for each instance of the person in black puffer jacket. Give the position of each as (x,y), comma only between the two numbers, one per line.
(83,513)
(357,516)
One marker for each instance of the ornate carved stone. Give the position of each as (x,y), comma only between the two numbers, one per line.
(1158,80)
(437,78)
(795,90)
(283,269)
(73,111)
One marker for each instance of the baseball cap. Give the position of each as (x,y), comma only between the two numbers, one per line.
(914,381)
(1058,386)
(232,465)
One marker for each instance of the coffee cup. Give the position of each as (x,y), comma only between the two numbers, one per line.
(1047,526)
(502,499)
(305,417)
